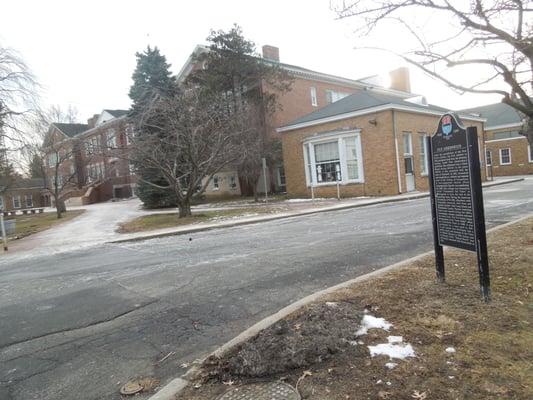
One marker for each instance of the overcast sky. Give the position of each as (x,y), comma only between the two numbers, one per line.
(83,52)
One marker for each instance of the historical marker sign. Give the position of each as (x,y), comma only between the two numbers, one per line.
(456,194)
(453,185)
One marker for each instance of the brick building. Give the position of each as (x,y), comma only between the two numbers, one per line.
(310,91)
(371,142)
(507,151)
(23,194)
(98,169)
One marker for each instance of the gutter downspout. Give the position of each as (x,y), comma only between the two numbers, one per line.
(398,171)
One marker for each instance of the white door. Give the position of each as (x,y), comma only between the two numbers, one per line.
(409,162)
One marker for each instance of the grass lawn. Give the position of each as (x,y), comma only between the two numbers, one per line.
(32,223)
(169,220)
(464,349)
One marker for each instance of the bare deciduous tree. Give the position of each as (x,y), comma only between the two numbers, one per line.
(18,96)
(493,36)
(58,155)
(187,137)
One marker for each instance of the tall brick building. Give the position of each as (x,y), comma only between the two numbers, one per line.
(371,142)
(98,169)
(310,91)
(508,152)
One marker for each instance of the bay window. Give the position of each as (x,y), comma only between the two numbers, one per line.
(329,159)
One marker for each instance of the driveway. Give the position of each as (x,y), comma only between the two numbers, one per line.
(77,325)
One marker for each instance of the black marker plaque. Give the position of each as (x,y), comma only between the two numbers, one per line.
(452,184)
(456,195)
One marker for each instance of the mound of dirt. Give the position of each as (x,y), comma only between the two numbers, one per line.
(313,336)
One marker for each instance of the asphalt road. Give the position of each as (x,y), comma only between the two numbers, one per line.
(77,325)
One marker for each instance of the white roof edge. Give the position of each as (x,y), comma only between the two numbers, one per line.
(102,125)
(370,110)
(186,69)
(503,126)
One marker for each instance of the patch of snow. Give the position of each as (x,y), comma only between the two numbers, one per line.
(395,339)
(371,322)
(388,383)
(450,350)
(399,351)
(331,304)
(379,381)
(391,365)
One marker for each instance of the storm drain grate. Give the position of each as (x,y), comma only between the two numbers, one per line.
(262,391)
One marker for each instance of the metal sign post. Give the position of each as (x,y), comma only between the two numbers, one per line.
(263,161)
(456,195)
(4,235)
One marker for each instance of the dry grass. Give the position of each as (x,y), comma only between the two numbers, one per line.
(32,223)
(170,220)
(493,342)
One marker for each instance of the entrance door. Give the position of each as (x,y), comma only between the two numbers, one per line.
(409,163)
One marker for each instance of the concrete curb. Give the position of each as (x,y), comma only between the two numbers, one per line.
(393,199)
(174,387)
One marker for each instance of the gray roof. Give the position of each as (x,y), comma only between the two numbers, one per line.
(27,183)
(117,113)
(496,114)
(360,101)
(71,130)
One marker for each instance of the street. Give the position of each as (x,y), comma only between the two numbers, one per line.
(78,325)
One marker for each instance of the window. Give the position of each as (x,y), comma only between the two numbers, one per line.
(489,157)
(407,144)
(16,201)
(111,138)
(52,160)
(506,135)
(505,156)
(215,183)
(1,203)
(233,182)
(333,96)
(530,152)
(95,171)
(130,134)
(29,201)
(335,159)
(314,101)
(281,179)
(423,154)
(131,168)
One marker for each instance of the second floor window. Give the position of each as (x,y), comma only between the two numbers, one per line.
(333,96)
(111,138)
(314,101)
(52,160)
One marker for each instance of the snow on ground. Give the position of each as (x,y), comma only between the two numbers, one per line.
(450,350)
(371,322)
(394,349)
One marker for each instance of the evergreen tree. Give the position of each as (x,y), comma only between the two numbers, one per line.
(151,77)
(36,168)
(233,68)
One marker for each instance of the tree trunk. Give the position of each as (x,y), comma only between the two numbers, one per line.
(184,208)
(60,208)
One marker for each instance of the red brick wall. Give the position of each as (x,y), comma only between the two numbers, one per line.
(520,164)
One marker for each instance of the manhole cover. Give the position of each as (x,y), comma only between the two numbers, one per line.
(262,391)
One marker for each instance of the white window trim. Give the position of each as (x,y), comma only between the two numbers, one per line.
(529,152)
(314,100)
(510,157)
(19,200)
(330,137)
(30,196)
(487,158)
(426,155)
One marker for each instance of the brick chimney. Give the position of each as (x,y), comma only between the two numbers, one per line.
(92,121)
(271,52)
(400,80)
